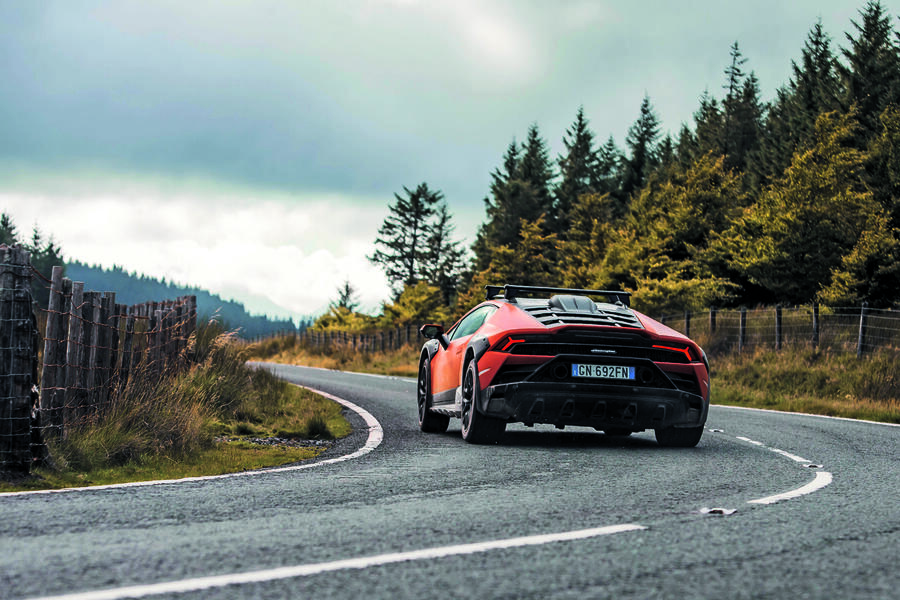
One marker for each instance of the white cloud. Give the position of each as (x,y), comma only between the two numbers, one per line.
(293,251)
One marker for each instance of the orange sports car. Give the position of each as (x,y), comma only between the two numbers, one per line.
(558,356)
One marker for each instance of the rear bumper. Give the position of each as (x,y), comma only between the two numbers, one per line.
(594,405)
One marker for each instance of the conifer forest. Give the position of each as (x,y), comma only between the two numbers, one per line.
(792,199)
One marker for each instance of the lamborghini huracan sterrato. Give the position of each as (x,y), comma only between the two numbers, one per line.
(556,356)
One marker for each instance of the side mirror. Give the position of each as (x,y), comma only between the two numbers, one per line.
(434,331)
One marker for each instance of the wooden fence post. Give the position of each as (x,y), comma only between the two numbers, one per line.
(53,374)
(742,331)
(712,319)
(87,355)
(778,328)
(73,352)
(815,325)
(863,325)
(18,354)
(93,318)
(687,323)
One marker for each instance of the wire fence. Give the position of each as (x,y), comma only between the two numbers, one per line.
(373,341)
(91,348)
(860,329)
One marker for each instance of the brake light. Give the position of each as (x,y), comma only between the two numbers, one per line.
(509,342)
(685,351)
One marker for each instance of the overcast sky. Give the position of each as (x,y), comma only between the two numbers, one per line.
(252,147)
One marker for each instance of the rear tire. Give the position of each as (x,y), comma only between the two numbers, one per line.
(476,427)
(615,432)
(429,422)
(679,438)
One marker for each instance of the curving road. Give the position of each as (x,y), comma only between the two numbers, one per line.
(767,506)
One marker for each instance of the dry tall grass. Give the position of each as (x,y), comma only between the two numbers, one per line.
(179,415)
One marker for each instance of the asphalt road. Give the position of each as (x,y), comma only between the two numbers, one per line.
(429,516)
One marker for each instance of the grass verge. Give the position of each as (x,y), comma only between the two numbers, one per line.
(810,381)
(217,416)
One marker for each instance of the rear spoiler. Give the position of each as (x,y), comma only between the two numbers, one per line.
(511,292)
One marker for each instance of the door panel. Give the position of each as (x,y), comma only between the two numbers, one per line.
(445,370)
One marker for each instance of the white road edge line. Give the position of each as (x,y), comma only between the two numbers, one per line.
(799,414)
(376,436)
(822,479)
(217,581)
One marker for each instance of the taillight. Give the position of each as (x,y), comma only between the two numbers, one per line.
(685,351)
(510,342)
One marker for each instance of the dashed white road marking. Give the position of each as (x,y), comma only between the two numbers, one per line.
(821,479)
(365,562)
(374,439)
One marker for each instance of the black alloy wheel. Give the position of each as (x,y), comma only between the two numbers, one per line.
(476,427)
(429,422)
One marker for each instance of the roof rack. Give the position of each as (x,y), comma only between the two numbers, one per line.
(511,292)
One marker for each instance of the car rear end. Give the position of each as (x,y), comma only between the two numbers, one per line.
(603,366)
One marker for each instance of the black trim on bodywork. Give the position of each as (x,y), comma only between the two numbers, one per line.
(550,394)
(594,405)
(478,344)
(431,347)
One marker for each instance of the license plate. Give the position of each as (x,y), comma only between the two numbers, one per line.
(603,371)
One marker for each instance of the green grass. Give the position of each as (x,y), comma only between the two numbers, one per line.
(810,381)
(196,422)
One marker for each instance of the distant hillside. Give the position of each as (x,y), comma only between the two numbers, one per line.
(131,288)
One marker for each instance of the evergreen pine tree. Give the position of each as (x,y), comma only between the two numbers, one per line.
(536,171)
(872,74)
(814,88)
(400,245)
(742,112)
(8,233)
(609,169)
(519,191)
(347,297)
(686,149)
(444,262)
(578,171)
(641,142)
(709,127)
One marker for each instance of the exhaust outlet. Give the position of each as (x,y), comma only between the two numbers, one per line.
(560,371)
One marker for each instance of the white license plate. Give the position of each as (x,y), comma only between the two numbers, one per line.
(603,371)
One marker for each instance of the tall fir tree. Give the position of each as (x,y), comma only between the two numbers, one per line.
(578,168)
(814,88)
(743,112)
(401,242)
(444,262)
(871,75)
(536,170)
(641,142)
(709,127)
(8,233)
(347,296)
(520,190)
(816,85)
